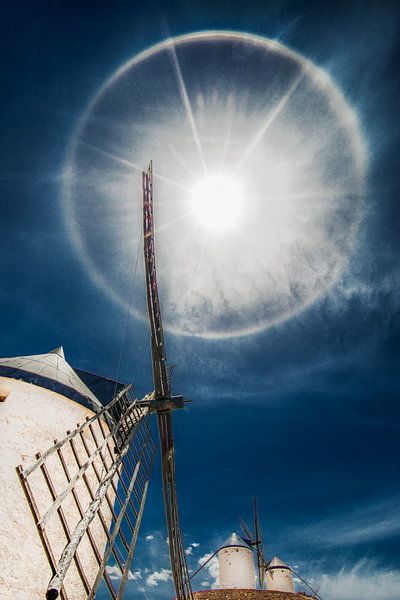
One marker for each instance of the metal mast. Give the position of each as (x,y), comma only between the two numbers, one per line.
(163,402)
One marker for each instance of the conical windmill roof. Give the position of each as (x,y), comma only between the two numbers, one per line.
(276,562)
(235,540)
(52,372)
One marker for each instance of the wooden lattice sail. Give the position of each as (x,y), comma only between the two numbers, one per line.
(87,494)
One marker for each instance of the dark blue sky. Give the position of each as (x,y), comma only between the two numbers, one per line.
(304,415)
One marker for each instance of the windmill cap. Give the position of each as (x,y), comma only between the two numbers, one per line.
(235,540)
(50,371)
(276,563)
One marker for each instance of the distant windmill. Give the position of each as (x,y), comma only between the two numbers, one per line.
(87,492)
(275,568)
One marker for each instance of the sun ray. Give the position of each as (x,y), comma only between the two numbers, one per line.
(186,104)
(120,159)
(132,165)
(182,161)
(172,182)
(322,195)
(272,115)
(168,224)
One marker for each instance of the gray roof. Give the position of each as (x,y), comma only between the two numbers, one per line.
(235,540)
(50,371)
(277,562)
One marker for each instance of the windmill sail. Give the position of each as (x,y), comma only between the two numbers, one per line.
(163,400)
(255,539)
(261,562)
(87,494)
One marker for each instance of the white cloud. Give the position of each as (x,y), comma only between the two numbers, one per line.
(149,538)
(212,567)
(205,584)
(364,580)
(115,573)
(189,549)
(163,575)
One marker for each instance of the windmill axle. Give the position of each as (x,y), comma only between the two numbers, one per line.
(164,404)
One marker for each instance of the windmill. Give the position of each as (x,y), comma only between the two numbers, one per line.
(266,568)
(87,492)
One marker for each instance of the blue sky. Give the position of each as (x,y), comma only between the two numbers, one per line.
(304,414)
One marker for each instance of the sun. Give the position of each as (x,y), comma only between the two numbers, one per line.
(216,202)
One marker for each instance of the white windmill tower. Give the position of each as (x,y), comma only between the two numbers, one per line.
(279,576)
(236,566)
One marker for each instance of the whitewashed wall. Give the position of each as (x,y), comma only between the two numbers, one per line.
(236,568)
(281,580)
(30,419)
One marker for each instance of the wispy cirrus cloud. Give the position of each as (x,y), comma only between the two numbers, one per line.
(373,521)
(366,580)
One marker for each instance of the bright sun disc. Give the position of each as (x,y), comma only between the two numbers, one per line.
(216,203)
